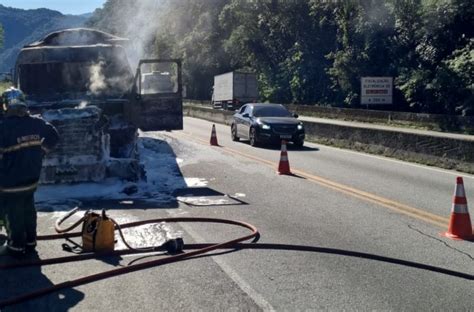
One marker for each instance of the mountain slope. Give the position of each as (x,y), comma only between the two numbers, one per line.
(25,26)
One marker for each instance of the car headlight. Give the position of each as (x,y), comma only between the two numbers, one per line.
(263,125)
(300,126)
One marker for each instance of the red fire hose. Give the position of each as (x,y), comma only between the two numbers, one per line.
(132,268)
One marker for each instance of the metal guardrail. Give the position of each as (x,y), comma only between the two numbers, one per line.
(437,122)
(197,102)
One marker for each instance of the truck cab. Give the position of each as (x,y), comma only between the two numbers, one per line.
(81,81)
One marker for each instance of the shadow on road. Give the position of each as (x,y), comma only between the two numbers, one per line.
(65,299)
(338,252)
(16,282)
(291,147)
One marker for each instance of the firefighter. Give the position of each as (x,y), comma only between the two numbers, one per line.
(24,139)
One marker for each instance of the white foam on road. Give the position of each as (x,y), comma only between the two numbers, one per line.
(196,182)
(162,171)
(147,235)
(205,200)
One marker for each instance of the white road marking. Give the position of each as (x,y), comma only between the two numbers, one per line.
(234,276)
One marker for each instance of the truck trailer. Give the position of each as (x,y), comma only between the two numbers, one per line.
(232,90)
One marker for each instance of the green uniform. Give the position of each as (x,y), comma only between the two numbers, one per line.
(20,220)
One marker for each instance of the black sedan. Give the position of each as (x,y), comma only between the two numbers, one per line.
(267,123)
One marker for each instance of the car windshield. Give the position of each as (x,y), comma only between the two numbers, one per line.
(271,111)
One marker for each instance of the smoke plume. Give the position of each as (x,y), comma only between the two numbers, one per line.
(140,25)
(97,82)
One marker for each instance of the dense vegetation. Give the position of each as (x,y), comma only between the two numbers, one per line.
(313,51)
(26,26)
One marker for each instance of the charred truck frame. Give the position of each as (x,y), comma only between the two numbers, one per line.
(80,80)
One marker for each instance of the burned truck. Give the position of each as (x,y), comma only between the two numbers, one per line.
(80,80)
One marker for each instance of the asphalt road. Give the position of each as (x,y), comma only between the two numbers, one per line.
(373,223)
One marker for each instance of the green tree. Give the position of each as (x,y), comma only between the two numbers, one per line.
(199,44)
(364,49)
(111,17)
(286,43)
(440,36)
(453,83)
(260,42)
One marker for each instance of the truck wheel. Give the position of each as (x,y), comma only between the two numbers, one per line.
(233,131)
(253,137)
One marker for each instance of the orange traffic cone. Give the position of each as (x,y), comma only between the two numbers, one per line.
(214,136)
(284,165)
(460,222)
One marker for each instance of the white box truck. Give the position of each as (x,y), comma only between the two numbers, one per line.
(232,90)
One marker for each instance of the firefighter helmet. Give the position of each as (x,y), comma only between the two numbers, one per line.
(13,97)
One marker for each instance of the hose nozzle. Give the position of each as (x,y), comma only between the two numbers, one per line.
(174,246)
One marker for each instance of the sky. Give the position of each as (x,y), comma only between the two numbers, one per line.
(64,6)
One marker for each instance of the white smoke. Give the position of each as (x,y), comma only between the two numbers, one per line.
(83,104)
(141,27)
(97,82)
(72,38)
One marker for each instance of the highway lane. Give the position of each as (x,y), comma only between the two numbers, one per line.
(419,186)
(349,223)
(414,187)
(291,211)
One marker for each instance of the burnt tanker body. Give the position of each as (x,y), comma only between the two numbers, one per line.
(80,81)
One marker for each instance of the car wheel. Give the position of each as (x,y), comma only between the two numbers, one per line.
(253,137)
(233,131)
(298,144)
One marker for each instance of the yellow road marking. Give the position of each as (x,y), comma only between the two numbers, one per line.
(372,198)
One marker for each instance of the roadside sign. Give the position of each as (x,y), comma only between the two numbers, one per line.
(376,90)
